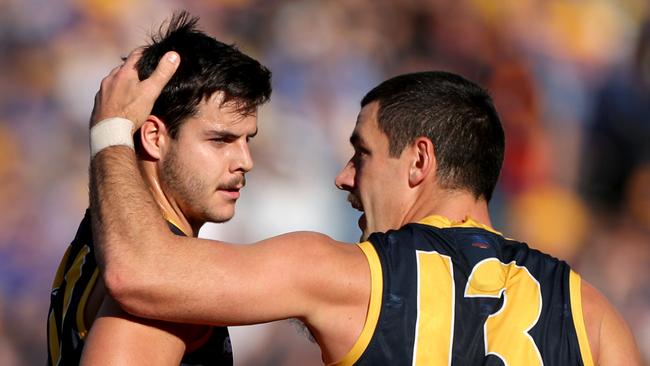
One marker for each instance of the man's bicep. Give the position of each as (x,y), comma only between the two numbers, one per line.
(247,284)
(294,274)
(282,277)
(117,338)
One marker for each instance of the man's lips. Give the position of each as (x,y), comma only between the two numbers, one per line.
(232,187)
(356,204)
(231,193)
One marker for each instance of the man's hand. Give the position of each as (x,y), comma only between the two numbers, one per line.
(122,94)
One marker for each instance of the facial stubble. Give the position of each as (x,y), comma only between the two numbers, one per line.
(192,192)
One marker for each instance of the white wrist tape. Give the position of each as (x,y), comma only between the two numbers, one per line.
(110,132)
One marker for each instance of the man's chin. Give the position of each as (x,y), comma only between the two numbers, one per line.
(221,220)
(220,217)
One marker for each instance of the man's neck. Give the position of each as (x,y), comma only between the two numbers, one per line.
(456,205)
(169,209)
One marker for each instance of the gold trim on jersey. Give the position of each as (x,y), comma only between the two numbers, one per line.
(60,272)
(53,339)
(169,220)
(443,222)
(72,276)
(81,309)
(575,284)
(374,307)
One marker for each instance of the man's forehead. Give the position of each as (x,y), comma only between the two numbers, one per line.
(216,98)
(219,115)
(368,112)
(366,120)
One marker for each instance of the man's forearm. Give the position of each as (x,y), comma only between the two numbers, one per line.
(120,203)
(121,209)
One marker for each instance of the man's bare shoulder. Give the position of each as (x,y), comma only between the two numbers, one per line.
(610,338)
(336,279)
(320,259)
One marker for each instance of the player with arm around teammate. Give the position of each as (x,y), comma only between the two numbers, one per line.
(431,283)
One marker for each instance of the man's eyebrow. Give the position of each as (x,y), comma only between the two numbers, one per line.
(227,134)
(221,134)
(356,140)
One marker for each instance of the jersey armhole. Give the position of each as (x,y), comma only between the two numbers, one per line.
(374,307)
(575,283)
(81,309)
(54,348)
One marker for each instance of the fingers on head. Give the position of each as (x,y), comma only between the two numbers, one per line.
(127,70)
(166,66)
(133,58)
(111,75)
(164,71)
(115,70)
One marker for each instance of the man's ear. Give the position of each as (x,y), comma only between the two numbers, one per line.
(423,162)
(153,136)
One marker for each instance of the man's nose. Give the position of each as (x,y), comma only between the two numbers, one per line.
(345,179)
(245,159)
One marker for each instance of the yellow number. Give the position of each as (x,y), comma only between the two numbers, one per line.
(506,330)
(434,329)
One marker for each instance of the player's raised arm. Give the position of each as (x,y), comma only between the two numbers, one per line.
(122,95)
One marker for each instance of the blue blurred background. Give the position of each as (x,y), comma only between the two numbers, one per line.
(571,80)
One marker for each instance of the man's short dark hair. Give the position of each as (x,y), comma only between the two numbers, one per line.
(457,115)
(207,66)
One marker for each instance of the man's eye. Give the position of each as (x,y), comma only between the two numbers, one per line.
(359,155)
(361,152)
(223,140)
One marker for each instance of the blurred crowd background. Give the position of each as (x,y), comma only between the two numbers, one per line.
(571,80)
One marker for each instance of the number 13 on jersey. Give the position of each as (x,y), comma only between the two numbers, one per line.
(505,331)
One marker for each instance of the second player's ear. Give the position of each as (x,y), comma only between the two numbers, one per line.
(423,162)
(153,136)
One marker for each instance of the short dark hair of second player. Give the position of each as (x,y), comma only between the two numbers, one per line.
(456,114)
(207,66)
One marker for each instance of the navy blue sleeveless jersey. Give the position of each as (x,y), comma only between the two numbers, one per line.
(75,278)
(462,294)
